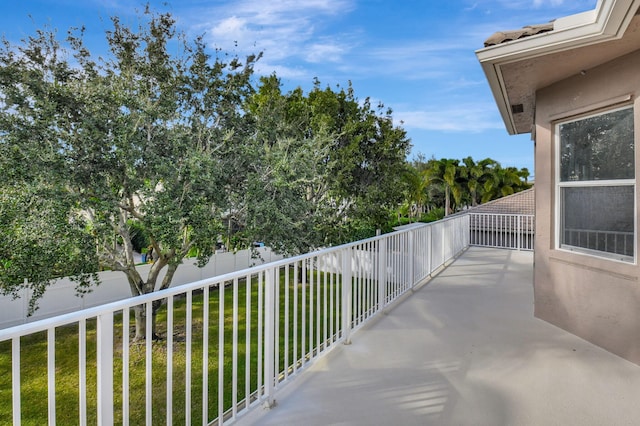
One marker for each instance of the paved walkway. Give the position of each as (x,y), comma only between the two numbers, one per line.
(465,349)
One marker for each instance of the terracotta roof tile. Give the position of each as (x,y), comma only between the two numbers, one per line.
(519,203)
(528,31)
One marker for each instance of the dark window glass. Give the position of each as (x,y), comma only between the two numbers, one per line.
(599,218)
(598,148)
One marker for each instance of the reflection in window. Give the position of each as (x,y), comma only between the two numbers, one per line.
(597,184)
(598,147)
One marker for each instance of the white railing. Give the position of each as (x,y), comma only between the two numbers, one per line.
(510,231)
(60,298)
(229,342)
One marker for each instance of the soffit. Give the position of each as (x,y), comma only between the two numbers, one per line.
(522,79)
(518,63)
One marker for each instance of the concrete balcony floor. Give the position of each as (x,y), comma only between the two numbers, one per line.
(465,349)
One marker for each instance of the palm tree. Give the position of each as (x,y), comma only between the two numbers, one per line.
(503,182)
(445,174)
(415,190)
(476,174)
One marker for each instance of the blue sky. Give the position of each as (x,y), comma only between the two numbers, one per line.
(415,56)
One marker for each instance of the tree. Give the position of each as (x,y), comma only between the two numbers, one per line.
(324,167)
(145,135)
(503,181)
(30,243)
(450,185)
(445,173)
(416,190)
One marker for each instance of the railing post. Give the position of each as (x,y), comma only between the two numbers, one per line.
(51,374)
(347,296)
(105,368)
(429,245)
(15,379)
(382,273)
(443,240)
(411,254)
(269,336)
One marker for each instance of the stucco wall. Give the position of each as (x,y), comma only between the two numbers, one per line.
(594,298)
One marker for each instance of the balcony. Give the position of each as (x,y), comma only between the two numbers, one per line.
(464,349)
(420,326)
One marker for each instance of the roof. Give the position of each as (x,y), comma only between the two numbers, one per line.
(518,63)
(505,36)
(522,202)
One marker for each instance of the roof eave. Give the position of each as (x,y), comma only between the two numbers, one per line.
(607,21)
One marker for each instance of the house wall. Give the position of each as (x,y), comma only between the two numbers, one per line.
(594,298)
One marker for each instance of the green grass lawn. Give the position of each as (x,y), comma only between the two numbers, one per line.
(33,357)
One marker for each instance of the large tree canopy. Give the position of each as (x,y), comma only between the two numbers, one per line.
(326,167)
(160,144)
(158,141)
(143,140)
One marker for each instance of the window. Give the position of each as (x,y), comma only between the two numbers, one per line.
(596,185)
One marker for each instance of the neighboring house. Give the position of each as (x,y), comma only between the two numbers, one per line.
(522,202)
(574,84)
(505,222)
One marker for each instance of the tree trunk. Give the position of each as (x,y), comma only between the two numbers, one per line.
(447,201)
(141,321)
(138,287)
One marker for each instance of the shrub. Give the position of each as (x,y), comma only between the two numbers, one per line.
(139,236)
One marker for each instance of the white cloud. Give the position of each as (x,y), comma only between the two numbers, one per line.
(230,26)
(471,8)
(282,29)
(470,118)
(282,71)
(552,3)
(544,4)
(325,52)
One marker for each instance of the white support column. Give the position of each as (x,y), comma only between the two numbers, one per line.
(105,369)
(382,273)
(430,250)
(51,375)
(411,256)
(269,336)
(148,311)
(15,380)
(347,296)
(443,241)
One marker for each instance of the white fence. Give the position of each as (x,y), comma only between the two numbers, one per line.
(511,231)
(61,297)
(229,341)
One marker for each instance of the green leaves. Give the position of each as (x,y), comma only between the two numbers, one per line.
(149,135)
(44,237)
(324,167)
(160,139)
(452,185)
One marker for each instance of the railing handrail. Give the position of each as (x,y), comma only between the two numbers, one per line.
(346,285)
(92,312)
(64,319)
(502,214)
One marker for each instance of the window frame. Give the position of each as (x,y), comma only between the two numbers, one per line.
(560,185)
